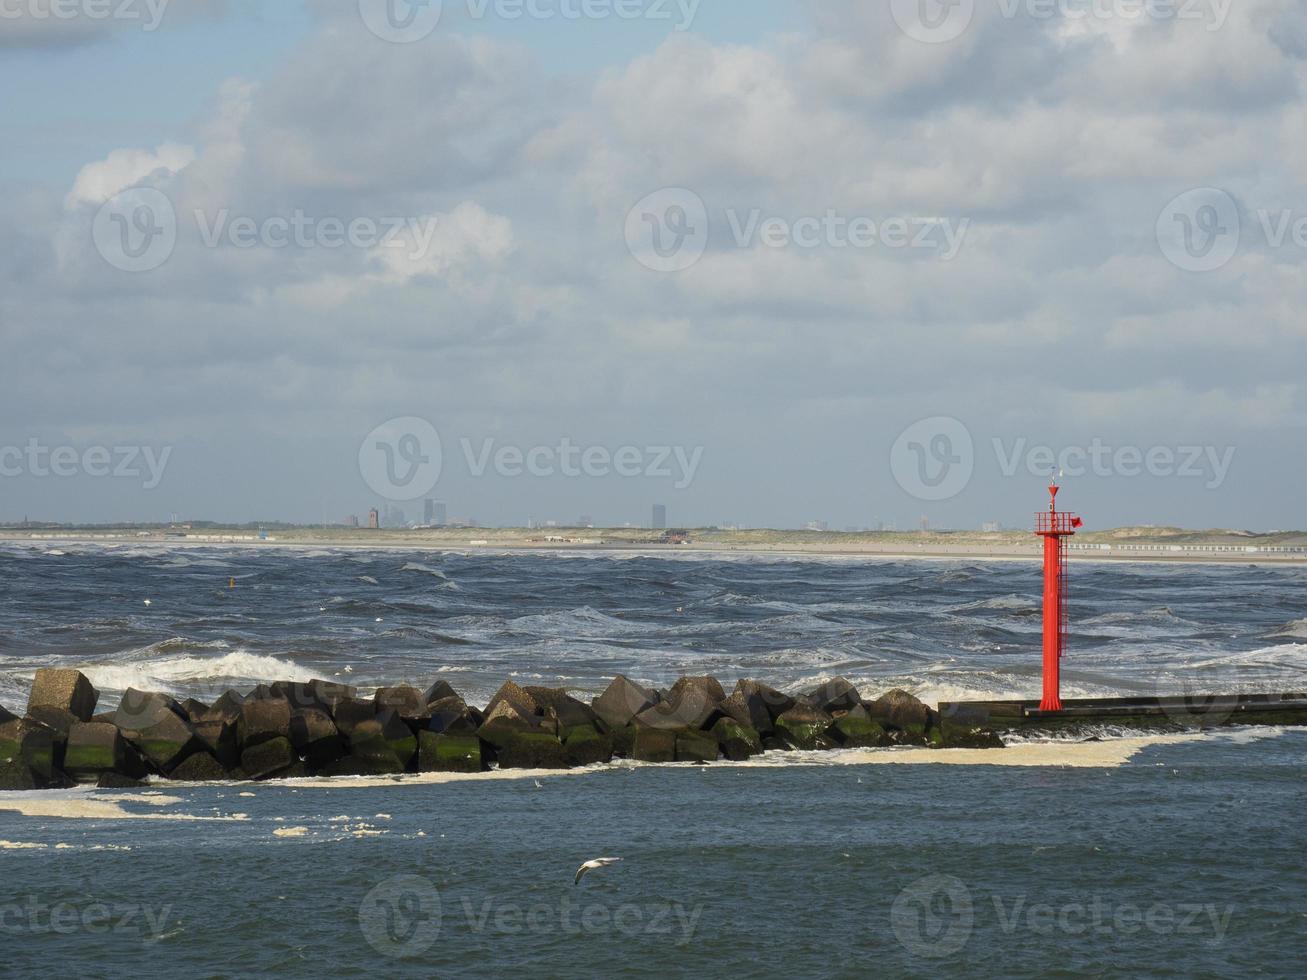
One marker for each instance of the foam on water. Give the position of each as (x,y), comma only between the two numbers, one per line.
(1283,655)
(943,630)
(417,566)
(187,675)
(1009,603)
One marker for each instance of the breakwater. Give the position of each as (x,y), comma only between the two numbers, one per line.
(320,728)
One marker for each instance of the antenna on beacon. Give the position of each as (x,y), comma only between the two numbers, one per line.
(1054,527)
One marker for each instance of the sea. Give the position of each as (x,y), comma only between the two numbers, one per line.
(1111,853)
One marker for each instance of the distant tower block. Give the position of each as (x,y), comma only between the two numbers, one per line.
(1054,527)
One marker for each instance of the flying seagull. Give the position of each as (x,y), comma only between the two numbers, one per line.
(591,866)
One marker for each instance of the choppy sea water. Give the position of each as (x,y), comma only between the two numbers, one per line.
(942,629)
(1186,860)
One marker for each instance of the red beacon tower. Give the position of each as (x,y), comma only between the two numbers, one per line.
(1054,527)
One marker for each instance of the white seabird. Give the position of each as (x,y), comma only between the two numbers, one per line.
(591,866)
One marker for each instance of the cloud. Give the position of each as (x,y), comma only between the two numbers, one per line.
(510,299)
(99,181)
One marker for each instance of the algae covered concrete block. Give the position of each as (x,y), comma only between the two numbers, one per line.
(584,746)
(449,753)
(654,745)
(263,720)
(856,730)
(696,747)
(738,742)
(898,710)
(201,768)
(805,728)
(28,744)
(94,749)
(533,750)
(315,737)
(268,758)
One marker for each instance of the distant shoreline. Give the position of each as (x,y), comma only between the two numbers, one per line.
(474,540)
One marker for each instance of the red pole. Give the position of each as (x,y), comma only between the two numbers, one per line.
(1052,623)
(1054,527)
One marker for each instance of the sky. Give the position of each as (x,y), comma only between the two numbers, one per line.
(762,262)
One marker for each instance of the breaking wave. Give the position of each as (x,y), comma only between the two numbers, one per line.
(1296,628)
(181,675)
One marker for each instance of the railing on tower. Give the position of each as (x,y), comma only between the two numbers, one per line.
(1056,522)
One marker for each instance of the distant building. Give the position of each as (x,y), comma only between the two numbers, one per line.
(660,517)
(352,521)
(433,513)
(374,519)
(395,516)
(991,527)
(816,526)
(585,520)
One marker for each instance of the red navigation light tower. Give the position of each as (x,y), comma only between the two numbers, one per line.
(1054,527)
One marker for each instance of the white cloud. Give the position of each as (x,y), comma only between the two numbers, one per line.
(1061,149)
(99,181)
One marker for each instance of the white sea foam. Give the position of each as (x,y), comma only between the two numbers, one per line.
(1006,603)
(1108,754)
(417,566)
(84,804)
(1292,655)
(181,674)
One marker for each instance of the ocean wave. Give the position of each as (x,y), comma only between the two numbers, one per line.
(1295,628)
(581,621)
(1164,615)
(1019,604)
(417,566)
(1281,655)
(730,599)
(182,675)
(957,575)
